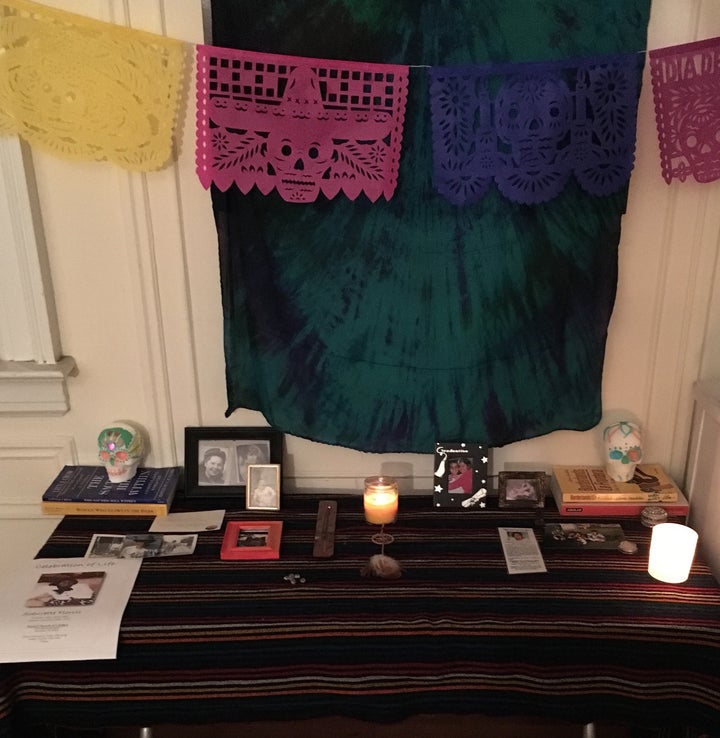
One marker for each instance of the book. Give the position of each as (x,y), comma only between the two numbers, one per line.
(650,484)
(678,508)
(86,490)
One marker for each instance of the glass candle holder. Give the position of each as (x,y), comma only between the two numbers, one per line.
(672,549)
(380,501)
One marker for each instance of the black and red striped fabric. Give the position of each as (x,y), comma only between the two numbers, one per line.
(206,641)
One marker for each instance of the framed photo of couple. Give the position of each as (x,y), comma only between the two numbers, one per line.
(461,475)
(229,462)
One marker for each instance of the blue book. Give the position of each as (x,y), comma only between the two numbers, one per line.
(87,490)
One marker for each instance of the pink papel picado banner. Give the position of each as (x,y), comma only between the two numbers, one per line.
(298,125)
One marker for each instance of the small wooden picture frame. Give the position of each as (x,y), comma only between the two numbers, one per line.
(263,487)
(251,540)
(521,489)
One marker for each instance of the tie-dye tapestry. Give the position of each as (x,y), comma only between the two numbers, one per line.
(385,326)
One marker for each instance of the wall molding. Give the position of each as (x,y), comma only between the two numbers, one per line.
(28,324)
(27,466)
(29,388)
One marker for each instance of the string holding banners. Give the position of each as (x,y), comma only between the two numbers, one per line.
(298,125)
(529,127)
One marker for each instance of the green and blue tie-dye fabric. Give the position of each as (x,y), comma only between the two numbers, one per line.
(386,326)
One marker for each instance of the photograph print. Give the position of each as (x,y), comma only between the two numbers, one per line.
(263,487)
(522,489)
(253,540)
(66,589)
(225,463)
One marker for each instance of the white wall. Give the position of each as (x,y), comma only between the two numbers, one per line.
(135,272)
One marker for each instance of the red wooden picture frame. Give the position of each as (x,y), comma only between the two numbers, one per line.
(251,540)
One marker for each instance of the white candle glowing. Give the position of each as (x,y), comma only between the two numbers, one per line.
(380,500)
(672,549)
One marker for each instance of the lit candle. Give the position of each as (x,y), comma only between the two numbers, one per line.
(672,548)
(380,500)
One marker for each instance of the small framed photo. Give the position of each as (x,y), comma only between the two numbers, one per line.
(252,540)
(217,460)
(522,489)
(263,487)
(461,475)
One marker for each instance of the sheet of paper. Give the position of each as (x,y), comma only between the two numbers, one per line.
(521,550)
(65,609)
(188,522)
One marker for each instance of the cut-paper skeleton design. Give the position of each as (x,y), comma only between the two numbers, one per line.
(300,126)
(529,127)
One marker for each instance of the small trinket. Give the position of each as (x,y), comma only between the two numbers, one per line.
(627,547)
(383,567)
(651,516)
(294,578)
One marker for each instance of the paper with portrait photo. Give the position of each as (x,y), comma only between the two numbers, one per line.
(521,551)
(65,609)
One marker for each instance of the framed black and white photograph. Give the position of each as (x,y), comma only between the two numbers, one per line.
(461,474)
(263,487)
(217,459)
(522,489)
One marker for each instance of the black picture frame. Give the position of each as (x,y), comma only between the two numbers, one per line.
(236,447)
(522,489)
(469,488)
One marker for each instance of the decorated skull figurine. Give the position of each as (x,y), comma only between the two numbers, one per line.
(122,446)
(623,447)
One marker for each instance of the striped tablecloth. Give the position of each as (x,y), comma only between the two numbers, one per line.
(206,640)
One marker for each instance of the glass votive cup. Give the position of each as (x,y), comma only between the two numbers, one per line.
(672,549)
(380,500)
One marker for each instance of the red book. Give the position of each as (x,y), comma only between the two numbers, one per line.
(679,508)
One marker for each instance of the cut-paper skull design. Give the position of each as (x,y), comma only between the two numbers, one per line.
(530,127)
(685,81)
(533,118)
(300,126)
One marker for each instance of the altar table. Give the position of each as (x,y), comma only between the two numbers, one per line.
(206,641)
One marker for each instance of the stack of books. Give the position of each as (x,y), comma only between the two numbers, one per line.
(86,490)
(588,491)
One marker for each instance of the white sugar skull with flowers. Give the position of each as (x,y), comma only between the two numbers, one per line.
(623,448)
(122,447)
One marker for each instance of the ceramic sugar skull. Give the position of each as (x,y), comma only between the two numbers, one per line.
(623,448)
(122,446)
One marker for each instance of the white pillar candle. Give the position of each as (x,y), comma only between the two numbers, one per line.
(672,549)
(380,500)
